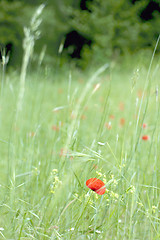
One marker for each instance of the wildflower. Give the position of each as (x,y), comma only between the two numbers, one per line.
(154,209)
(36,171)
(114,195)
(54,171)
(104,178)
(56,183)
(99,174)
(144,125)
(96,185)
(111,116)
(71,229)
(145,137)
(55,128)
(140,204)
(63,152)
(132,189)
(122,121)
(83,117)
(108,125)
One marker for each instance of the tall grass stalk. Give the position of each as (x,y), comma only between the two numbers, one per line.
(31,34)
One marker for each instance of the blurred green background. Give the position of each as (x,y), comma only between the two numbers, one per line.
(83,32)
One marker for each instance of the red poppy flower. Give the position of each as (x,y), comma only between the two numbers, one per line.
(96,185)
(122,121)
(63,152)
(145,137)
(55,128)
(144,125)
(111,117)
(108,125)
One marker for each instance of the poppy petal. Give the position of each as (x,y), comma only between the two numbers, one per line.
(96,185)
(145,137)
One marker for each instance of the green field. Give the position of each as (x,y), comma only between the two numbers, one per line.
(74,126)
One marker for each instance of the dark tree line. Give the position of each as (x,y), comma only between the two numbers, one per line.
(85,28)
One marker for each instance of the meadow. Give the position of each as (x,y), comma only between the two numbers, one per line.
(73,126)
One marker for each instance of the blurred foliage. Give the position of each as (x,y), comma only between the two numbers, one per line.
(114,27)
(10,21)
(11,24)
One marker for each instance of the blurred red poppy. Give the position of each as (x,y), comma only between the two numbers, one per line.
(108,125)
(111,117)
(96,185)
(83,117)
(145,137)
(122,121)
(63,152)
(55,128)
(144,125)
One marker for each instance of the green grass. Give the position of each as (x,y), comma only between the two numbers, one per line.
(62,137)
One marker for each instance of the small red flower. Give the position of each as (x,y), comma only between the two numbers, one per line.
(111,117)
(63,152)
(55,128)
(122,121)
(144,125)
(108,125)
(96,185)
(145,137)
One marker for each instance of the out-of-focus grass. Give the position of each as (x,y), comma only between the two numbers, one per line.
(63,137)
